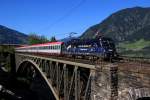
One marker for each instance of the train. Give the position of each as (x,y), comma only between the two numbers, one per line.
(102,47)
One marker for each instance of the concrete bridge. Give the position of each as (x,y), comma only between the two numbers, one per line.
(72,80)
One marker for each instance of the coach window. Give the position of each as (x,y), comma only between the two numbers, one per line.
(56,47)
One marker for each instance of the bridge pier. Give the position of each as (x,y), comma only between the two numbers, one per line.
(117,82)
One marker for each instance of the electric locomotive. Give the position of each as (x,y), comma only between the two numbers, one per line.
(100,47)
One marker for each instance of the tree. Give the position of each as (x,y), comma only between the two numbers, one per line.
(35,39)
(43,39)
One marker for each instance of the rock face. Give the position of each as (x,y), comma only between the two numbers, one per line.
(10,36)
(126,25)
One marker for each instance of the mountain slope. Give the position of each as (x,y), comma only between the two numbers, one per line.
(10,36)
(128,27)
(122,24)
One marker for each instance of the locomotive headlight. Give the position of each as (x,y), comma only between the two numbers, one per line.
(110,50)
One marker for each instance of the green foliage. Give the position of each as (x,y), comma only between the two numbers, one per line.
(138,48)
(8,49)
(5,52)
(135,46)
(125,25)
(35,39)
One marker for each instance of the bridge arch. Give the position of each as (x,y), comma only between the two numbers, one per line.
(27,63)
(135,94)
(30,70)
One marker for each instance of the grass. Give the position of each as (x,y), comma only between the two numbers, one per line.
(135,46)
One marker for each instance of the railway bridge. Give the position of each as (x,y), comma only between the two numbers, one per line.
(71,79)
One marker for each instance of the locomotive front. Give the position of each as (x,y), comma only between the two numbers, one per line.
(109,48)
(101,47)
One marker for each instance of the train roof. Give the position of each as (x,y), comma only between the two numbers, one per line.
(42,44)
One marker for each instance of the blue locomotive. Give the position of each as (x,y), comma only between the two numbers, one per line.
(100,47)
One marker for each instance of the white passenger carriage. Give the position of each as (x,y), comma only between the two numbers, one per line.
(45,48)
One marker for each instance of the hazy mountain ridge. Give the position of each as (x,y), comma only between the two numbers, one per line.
(128,26)
(10,36)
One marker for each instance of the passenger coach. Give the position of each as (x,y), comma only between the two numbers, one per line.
(45,48)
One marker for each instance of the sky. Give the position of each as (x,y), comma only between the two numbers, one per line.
(60,17)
